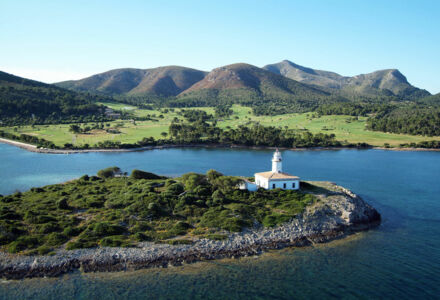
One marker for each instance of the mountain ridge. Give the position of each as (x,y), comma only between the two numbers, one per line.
(386,82)
(28,101)
(163,81)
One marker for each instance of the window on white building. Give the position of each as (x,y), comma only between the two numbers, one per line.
(273,185)
(284,185)
(293,185)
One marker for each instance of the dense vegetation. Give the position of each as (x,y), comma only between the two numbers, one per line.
(24,101)
(408,119)
(121,211)
(253,135)
(352,109)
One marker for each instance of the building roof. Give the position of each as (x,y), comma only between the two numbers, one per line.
(276,175)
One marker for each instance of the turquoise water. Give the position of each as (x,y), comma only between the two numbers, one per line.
(398,260)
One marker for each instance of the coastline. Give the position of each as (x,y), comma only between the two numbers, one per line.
(33,148)
(338,215)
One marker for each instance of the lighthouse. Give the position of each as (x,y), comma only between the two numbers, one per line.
(275,179)
(276,162)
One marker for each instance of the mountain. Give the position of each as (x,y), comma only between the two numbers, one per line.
(431,100)
(266,92)
(27,101)
(306,75)
(162,81)
(259,82)
(388,82)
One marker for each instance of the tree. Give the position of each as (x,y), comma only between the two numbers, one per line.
(108,172)
(75,128)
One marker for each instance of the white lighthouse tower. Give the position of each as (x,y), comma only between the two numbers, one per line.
(276,162)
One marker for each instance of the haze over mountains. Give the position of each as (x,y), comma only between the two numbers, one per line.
(280,79)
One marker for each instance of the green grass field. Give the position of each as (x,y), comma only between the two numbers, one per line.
(346,128)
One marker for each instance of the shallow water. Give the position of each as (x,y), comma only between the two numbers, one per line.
(399,260)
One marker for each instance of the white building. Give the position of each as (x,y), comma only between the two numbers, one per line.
(273,179)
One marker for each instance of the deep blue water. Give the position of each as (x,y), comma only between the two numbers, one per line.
(398,260)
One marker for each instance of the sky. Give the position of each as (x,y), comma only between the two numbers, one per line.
(53,41)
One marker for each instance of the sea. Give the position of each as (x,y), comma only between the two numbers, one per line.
(400,259)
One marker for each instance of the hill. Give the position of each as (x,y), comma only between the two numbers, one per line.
(28,101)
(253,86)
(431,100)
(385,83)
(162,81)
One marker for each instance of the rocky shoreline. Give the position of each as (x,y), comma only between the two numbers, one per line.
(335,216)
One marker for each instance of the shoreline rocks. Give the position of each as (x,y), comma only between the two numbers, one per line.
(335,216)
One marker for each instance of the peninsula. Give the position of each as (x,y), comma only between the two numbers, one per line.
(114,222)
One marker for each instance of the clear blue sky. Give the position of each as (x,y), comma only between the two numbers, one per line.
(58,40)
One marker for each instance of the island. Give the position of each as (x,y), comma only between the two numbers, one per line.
(115,221)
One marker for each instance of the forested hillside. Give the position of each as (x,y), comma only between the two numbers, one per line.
(24,101)
(409,119)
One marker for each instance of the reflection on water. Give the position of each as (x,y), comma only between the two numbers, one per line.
(400,259)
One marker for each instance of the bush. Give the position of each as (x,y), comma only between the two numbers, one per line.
(70,231)
(138,174)
(22,243)
(175,189)
(81,244)
(42,250)
(56,239)
(272,220)
(142,237)
(108,172)
(103,229)
(180,228)
(62,204)
(48,228)
(114,241)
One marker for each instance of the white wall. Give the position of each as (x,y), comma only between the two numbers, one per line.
(261,181)
(280,184)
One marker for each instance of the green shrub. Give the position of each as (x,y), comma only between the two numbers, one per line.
(103,229)
(138,174)
(42,250)
(142,237)
(81,244)
(108,172)
(275,219)
(114,241)
(140,227)
(48,228)
(56,239)
(175,189)
(62,204)
(178,242)
(71,231)
(180,228)
(22,243)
